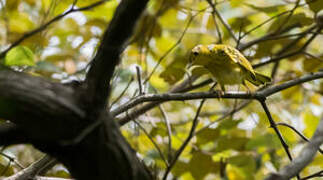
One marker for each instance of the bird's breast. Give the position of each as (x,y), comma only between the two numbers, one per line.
(226,73)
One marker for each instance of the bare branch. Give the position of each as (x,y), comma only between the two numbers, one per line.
(303,159)
(169,130)
(187,140)
(297,132)
(293,53)
(31,171)
(139,80)
(227,95)
(123,92)
(274,126)
(222,20)
(152,141)
(171,49)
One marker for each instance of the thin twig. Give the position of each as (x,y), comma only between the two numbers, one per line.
(139,80)
(228,28)
(187,140)
(303,159)
(33,170)
(288,17)
(12,159)
(263,23)
(215,23)
(274,126)
(171,49)
(152,140)
(297,132)
(312,56)
(44,26)
(224,116)
(169,131)
(268,36)
(123,92)
(149,37)
(317,174)
(293,53)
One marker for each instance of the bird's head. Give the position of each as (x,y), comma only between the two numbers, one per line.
(199,55)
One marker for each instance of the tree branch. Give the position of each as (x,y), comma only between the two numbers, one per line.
(43,109)
(297,132)
(303,159)
(187,140)
(12,134)
(227,95)
(293,53)
(31,171)
(112,45)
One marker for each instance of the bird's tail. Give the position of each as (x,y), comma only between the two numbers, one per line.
(259,80)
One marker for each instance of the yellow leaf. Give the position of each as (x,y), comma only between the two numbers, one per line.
(311,121)
(315,99)
(20,22)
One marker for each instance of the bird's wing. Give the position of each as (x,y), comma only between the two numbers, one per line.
(238,58)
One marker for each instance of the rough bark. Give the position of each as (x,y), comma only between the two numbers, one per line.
(48,114)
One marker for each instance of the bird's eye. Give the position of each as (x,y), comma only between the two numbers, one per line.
(195,53)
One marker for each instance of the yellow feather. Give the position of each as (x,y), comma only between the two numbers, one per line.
(226,64)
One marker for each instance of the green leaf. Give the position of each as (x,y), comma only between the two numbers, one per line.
(201,164)
(315,5)
(236,143)
(239,23)
(312,64)
(245,162)
(263,141)
(300,19)
(20,56)
(176,69)
(229,124)
(267,9)
(207,135)
(236,3)
(180,168)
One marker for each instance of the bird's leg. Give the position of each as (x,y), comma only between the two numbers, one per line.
(222,91)
(248,90)
(219,92)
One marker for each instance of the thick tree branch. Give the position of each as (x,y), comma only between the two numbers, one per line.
(12,134)
(112,45)
(303,159)
(42,108)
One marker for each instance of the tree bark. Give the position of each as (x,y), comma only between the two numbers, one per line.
(52,115)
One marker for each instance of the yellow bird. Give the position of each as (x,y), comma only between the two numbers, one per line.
(226,64)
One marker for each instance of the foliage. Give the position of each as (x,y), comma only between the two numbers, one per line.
(239,146)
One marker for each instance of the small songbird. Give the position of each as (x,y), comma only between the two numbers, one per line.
(226,64)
